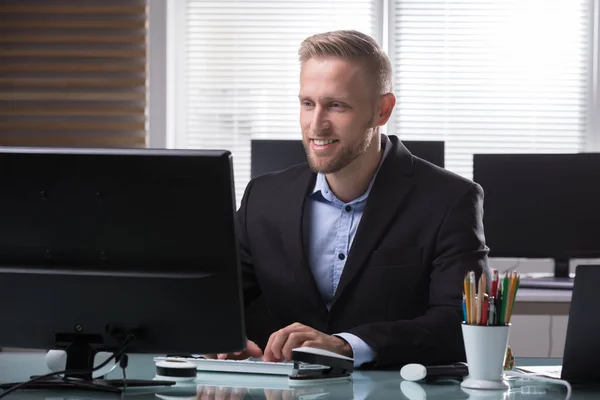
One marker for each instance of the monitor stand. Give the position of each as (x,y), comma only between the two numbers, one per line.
(560,280)
(561,268)
(80,356)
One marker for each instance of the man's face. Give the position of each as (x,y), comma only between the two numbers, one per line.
(337,106)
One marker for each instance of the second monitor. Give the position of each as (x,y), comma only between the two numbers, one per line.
(276,155)
(541,205)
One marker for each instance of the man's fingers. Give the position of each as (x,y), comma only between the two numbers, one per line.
(269,355)
(294,340)
(296,330)
(278,343)
(274,348)
(270,342)
(253,350)
(312,343)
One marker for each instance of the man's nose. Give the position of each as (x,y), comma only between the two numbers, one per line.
(320,122)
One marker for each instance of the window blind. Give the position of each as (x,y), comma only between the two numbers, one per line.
(241,77)
(492,75)
(73,73)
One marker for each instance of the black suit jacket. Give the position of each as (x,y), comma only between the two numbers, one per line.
(401,287)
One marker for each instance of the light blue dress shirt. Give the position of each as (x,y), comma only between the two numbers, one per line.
(329,229)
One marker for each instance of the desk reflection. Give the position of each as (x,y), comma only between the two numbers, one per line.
(216,386)
(328,391)
(519,390)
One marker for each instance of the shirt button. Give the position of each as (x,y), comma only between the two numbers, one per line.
(348,208)
(341,256)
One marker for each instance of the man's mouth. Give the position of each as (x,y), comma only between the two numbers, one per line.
(323,142)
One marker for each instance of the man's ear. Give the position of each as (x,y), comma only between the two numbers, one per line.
(387,102)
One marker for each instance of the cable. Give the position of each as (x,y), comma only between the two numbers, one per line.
(123,362)
(116,355)
(115,365)
(543,379)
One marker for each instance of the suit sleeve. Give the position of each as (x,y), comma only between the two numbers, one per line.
(436,337)
(250,284)
(361,352)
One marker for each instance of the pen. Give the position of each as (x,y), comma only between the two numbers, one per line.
(485,312)
(483,294)
(494,288)
(478,304)
(480,298)
(498,306)
(492,312)
(515,286)
(464,308)
(505,293)
(473,309)
(508,297)
(467,300)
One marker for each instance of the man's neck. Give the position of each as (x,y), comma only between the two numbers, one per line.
(353,181)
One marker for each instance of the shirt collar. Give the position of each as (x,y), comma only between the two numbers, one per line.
(322,187)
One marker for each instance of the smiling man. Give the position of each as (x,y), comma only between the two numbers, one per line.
(361,251)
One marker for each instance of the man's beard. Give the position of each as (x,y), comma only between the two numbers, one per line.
(344,156)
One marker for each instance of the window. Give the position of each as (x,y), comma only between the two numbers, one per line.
(484,76)
(73,74)
(240,74)
(492,76)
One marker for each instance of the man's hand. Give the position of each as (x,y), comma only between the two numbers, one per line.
(282,342)
(252,350)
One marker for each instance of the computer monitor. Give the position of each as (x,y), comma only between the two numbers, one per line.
(96,244)
(428,150)
(580,361)
(541,205)
(276,155)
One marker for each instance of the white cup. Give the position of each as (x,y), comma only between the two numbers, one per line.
(486,350)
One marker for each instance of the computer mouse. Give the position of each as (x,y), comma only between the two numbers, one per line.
(321,352)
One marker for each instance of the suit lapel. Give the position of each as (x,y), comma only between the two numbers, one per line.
(292,236)
(392,184)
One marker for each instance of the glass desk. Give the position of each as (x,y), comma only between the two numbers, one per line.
(218,386)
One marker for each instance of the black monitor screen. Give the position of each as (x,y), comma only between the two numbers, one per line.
(97,243)
(541,205)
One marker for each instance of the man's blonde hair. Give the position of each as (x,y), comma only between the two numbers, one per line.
(352,46)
